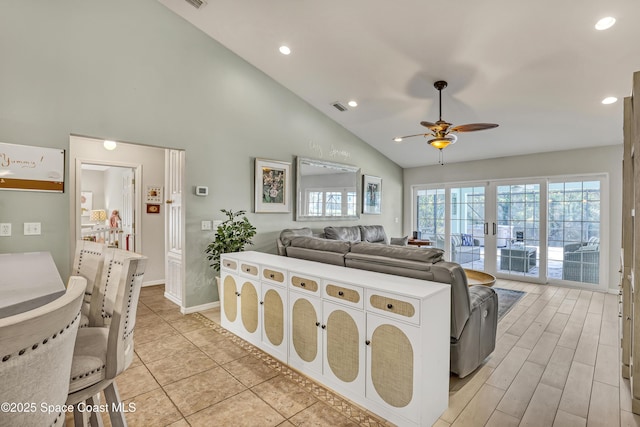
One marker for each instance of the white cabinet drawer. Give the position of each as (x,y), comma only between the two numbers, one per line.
(274,275)
(341,292)
(249,269)
(394,306)
(228,264)
(304,282)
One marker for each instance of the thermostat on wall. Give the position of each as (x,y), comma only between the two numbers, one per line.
(202,191)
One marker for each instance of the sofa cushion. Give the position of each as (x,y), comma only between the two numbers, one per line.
(399,241)
(287,234)
(373,234)
(410,253)
(350,234)
(326,257)
(456,240)
(319,244)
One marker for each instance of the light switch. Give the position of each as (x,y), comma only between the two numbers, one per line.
(206,225)
(32,229)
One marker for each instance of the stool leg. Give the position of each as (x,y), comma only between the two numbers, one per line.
(115,405)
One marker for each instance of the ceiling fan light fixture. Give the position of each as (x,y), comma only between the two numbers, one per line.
(442,142)
(605,23)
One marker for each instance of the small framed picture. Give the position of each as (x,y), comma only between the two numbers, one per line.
(153,209)
(154,194)
(273,186)
(371,194)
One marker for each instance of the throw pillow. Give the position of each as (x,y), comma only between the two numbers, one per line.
(467,240)
(399,241)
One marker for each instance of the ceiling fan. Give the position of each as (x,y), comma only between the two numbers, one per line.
(442,133)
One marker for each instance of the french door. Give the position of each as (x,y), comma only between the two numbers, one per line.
(538,230)
(518,230)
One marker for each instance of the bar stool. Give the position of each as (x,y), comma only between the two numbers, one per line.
(36,348)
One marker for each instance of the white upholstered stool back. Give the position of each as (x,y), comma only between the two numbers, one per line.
(88,263)
(105,292)
(36,348)
(102,353)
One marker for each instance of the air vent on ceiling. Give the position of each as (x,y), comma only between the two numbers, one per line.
(338,106)
(197,3)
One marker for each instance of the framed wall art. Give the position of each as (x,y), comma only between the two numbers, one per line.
(154,194)
(153,208)
(371,194)
(28,168)
(273,186)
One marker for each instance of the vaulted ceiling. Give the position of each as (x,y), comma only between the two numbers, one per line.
(538,69)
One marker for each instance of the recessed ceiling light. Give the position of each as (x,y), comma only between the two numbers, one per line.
(397,139)
(609,100)
(284,50)
(605,23)
(352,103)
(109,145)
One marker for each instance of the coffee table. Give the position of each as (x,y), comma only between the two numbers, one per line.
(519,258)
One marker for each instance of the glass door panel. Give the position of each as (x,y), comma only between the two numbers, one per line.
(517,229)
(430,215)
(574,231)
(467,226)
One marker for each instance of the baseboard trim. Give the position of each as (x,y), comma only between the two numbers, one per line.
(201,307)
(153,283)
(173,300)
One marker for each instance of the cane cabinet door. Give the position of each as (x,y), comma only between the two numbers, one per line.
(305,349)
(229,300)
(393,364)
(274,317)
(248,310)
(344,350)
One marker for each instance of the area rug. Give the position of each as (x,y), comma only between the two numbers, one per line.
(507,298)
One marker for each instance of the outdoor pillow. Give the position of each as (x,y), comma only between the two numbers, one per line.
(467,240)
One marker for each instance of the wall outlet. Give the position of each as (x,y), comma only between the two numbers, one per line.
(32,229)
(5,229)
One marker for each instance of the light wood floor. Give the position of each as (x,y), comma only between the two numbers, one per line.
(556,363)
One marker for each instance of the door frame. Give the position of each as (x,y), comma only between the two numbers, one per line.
(137,215)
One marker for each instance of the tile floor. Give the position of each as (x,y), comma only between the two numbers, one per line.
(555,364)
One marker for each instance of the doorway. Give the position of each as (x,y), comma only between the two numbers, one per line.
(108,207)
(141,215)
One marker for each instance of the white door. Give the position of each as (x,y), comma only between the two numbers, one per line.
(127,216)
(174,226)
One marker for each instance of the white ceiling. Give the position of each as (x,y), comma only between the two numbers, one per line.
(538,68)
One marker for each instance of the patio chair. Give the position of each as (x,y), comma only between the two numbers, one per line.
(581,261)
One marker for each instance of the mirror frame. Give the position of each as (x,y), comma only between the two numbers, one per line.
(324,164)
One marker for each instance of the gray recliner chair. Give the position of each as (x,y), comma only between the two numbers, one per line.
(474,319)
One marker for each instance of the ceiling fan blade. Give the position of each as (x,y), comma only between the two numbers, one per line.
(473,127)
(400,138)
(430,125)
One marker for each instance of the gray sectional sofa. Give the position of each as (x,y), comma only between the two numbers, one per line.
(474,310)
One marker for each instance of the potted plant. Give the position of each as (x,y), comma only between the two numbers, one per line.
(231,236)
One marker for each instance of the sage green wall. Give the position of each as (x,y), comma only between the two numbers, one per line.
(134,71)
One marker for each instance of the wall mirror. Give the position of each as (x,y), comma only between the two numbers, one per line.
(326,190)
